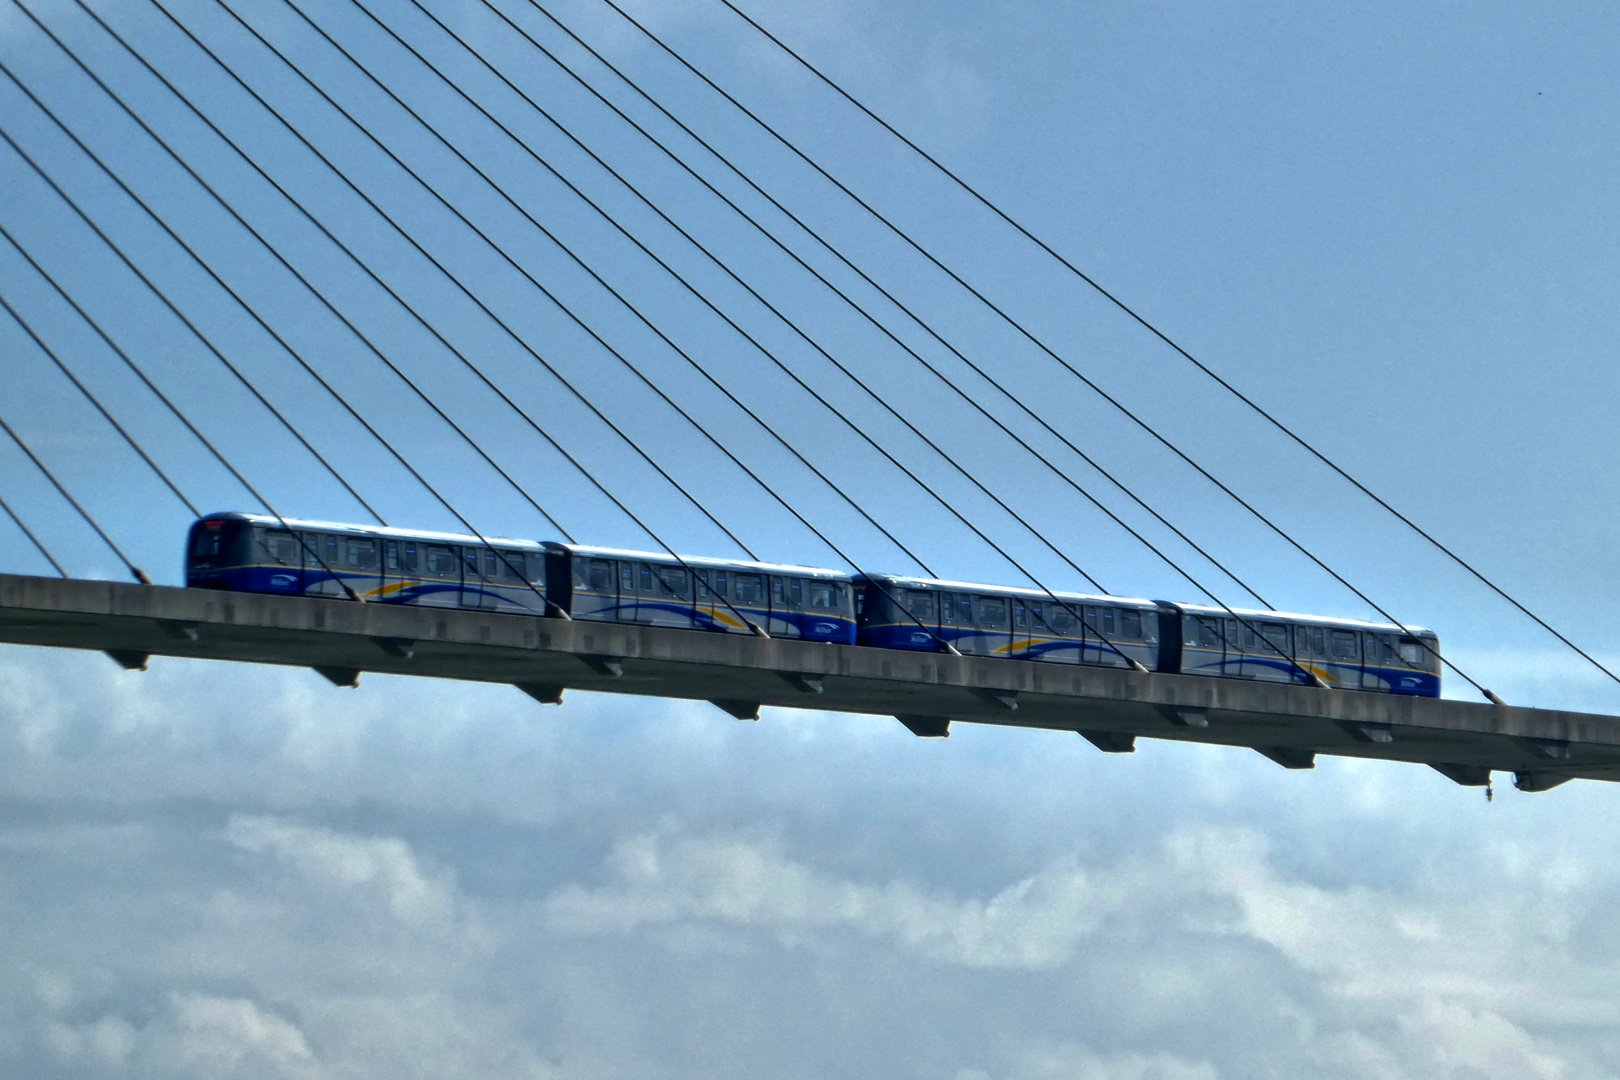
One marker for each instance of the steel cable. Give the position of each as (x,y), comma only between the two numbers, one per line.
(1189,357)
(1026,333)
(102,409)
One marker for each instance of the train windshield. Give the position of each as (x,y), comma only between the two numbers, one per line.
(217,541)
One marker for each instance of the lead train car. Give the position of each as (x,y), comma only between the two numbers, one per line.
(258,553)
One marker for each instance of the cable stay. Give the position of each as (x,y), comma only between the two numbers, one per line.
(102,409)
(135,571)
(429,487)
(435,262)
(146,381)
(562,307)
(974,403)
(245,306)
(26,531)
(695,292)
(1022,330)
(1162,336)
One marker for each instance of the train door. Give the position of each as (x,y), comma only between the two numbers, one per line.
(787,606)
(362,565)
(322,565)
(748,597)
(595,593)
(956,622)
(1378,650)
(1344,658)
(479,575)
(1236,655)
(1022,618)
(704,604)
(280,551)
(919,623)
(994,619)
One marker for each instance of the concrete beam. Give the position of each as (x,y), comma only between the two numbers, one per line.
(1288,723)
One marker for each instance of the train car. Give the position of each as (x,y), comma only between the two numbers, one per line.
(999,620)
(1274,646)
(611,585)
(258,553)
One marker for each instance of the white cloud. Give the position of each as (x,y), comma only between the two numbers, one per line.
(1032,923)
(341,861)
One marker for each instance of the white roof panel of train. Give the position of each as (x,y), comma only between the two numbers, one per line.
(1019,590)
(705,561)
(371,530)
(1311,620)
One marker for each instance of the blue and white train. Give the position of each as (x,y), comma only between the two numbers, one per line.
(256,553)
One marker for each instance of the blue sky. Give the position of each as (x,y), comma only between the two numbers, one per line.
(1389,225)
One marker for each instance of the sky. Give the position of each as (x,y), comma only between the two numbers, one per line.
(1389,225)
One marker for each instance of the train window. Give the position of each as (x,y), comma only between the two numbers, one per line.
(920,603)
(1378,650)
(1344,645)
(410,558)
(1036,617)
(1020,615)
(1130,624)
(778,592)
(627,578)
(672,582)
(470,558)
(581,574)
(512,566)
(993,612)
(1107,627)
(646,580)
(535,565)
(282,547)
(491,565)
(441,561)
(1274,638)
(947,609)
(795,593)
(207,541)
(720,583)
(391,554)
(821,596)
(360,554)
(1209,633)
(1309,641)
(1412,652)
(1318,641)
(1061,619)
(748,588)
(600,576)
(700,583)
(841,597)
(1248,637)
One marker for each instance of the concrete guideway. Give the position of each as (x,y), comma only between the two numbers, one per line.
(926,691)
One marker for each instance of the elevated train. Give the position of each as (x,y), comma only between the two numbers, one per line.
(257,553)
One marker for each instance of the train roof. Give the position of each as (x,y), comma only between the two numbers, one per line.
(1009,590)
(1309,620)
(370,530)
(705,561)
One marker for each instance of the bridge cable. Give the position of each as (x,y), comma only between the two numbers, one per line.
(500,554)
(1032,338)
(1079,615)
(74,379)
(175,310)
(697,293)
(26,531)
(135,571)
(824,281)
(1076,612)
(1156,332)
(652,385)
(145,380)
(198,179)
(405,235)
(619,296)
(562,307)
